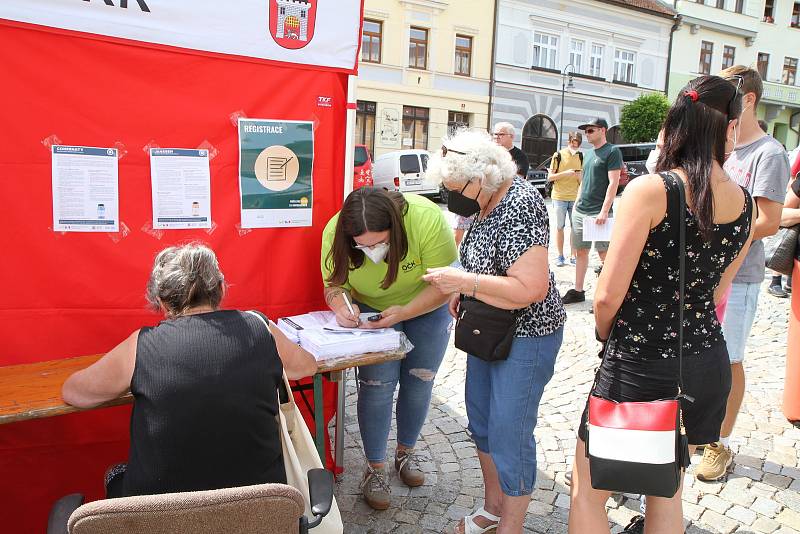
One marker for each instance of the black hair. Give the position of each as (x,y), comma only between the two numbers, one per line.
(695,132)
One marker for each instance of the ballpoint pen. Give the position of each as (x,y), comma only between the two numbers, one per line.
(350,308)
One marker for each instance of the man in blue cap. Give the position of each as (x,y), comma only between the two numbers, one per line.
(601,170)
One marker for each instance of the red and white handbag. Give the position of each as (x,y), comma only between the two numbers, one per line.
(641,447)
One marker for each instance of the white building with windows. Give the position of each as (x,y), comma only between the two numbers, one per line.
(615,50)
(763,34)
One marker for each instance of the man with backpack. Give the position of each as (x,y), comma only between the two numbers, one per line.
(563,180)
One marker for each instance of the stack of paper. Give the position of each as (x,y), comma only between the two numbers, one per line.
(319,334)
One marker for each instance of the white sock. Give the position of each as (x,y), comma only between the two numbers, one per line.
(643,506)
(725,442)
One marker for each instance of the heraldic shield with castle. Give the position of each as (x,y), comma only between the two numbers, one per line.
(291,22)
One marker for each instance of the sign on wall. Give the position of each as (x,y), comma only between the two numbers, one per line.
(311,32)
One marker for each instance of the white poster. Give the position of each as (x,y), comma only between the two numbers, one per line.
(181,182)
(310,32)
(85,189)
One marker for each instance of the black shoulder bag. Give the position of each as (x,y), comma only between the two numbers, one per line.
(641,447)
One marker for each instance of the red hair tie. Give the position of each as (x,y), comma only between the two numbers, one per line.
(692,94)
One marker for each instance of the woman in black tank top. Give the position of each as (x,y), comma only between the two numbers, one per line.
(204,383)
(638,291)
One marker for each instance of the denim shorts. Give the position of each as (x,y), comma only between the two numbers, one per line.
(739,316)
(502,400)
(563,208)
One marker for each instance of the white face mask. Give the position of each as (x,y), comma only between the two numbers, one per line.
(377,253)
(572,151)
(652,159)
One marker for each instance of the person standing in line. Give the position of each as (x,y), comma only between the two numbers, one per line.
(565,173)
(504,136)
(374,255)
(504,256)
(637,304)
(596,195)
(760,164)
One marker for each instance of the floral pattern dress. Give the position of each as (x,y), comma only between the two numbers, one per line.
(647,324)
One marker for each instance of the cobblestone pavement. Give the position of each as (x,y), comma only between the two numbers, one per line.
(760,495)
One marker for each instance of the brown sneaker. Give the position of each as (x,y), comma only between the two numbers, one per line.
(375,489)
(407,465)
(715,463)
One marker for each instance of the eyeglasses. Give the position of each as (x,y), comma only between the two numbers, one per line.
(591,130)
(739,81)
(500,134)
(445,150)
(367,247)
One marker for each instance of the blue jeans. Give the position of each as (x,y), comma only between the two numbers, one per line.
(415,373)
(502,404)
(739,317)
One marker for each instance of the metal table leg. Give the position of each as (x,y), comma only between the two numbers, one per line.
(319,418)
(339,450)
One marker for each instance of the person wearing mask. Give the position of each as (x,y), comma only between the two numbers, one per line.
(760,164)
(596,194)
(202,368)
(637,298)
(504,258)
(374,254)
(565,173)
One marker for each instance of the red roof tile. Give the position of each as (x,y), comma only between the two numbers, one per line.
(654,6)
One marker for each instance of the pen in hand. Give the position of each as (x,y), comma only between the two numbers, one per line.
(351,310)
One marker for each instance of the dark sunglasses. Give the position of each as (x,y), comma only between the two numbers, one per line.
(591,130)
(739,82)
(445,150)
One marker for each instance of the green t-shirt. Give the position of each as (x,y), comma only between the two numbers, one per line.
(596,165)
(430,244)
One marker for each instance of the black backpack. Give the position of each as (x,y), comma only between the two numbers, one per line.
(548,186)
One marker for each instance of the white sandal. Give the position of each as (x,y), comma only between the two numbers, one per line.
(470,527)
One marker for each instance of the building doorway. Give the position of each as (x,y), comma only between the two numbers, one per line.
(539,139)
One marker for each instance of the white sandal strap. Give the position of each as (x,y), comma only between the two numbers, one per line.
(471,527)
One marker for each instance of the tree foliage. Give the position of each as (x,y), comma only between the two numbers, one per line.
(641,119)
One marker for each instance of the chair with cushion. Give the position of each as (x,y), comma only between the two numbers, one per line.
(265,508)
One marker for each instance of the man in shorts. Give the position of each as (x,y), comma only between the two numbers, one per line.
(565,175)
(760,164)
(600,178)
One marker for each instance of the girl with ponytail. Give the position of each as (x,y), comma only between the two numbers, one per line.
(636,304)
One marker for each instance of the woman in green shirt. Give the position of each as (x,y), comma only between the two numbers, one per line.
(374,253)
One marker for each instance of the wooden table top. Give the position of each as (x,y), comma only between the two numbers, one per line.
(32,391)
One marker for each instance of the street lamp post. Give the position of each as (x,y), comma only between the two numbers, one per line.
(566,85)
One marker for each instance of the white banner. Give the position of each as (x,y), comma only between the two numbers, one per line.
(310,32)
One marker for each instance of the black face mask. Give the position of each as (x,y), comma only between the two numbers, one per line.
(462,205)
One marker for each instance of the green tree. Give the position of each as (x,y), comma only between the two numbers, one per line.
(641,119)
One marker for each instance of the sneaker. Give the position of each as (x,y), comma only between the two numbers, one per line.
(777,291)
(598,269)
(715,463)
(375,488)
(560,261)
(636,525)
(572,296)
(788,288)
(573,260)
(408,469)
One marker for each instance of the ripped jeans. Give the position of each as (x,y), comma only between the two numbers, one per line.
(429,334)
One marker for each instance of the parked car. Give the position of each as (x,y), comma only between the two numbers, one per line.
(537,176)
(404,171)
(362,167)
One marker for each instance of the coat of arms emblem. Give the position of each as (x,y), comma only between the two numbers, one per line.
(291,22)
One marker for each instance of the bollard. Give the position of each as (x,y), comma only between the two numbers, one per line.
(791,387)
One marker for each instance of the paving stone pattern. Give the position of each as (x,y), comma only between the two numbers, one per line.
(760,495)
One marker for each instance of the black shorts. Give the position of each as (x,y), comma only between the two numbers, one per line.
(706,377)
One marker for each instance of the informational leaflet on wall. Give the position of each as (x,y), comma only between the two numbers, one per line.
(181,182)
(85,189)
(276,162)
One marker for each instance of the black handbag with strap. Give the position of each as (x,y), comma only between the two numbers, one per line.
(484,330)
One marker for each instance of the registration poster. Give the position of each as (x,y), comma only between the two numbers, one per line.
(276,160)
(181,184)
(85,189)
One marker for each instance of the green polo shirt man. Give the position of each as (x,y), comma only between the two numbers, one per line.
(601,169)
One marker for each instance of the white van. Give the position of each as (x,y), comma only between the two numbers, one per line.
(404,171)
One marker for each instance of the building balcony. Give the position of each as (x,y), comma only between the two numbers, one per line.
(781,94)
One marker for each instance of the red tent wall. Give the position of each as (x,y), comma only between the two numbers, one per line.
(73,294)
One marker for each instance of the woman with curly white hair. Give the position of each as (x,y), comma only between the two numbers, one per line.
(504,256)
